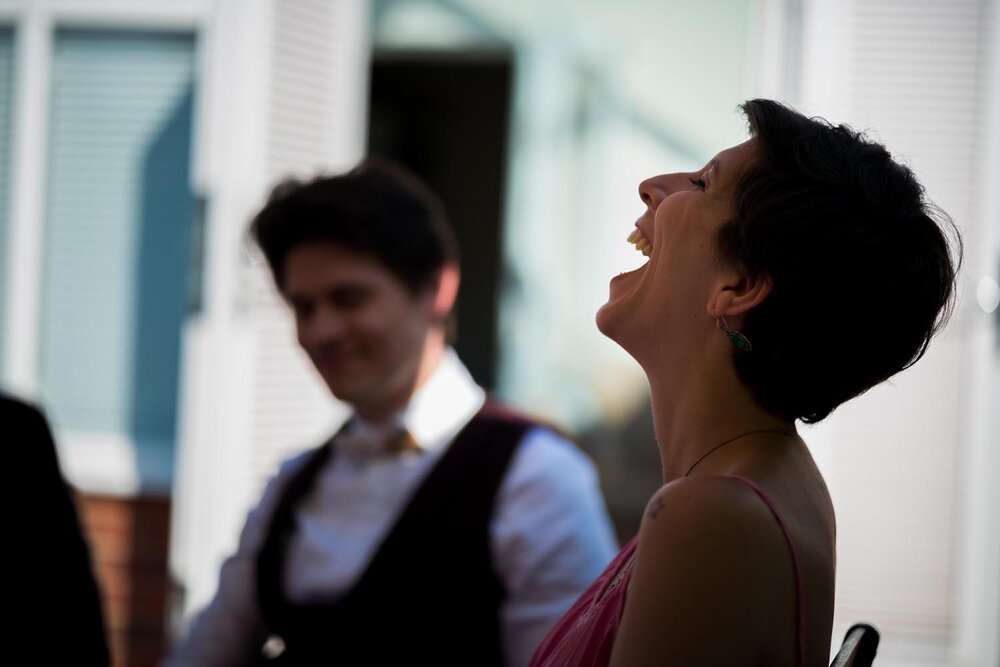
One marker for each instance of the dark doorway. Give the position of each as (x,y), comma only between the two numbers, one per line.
(445,116)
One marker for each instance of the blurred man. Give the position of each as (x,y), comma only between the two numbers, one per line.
(435,527)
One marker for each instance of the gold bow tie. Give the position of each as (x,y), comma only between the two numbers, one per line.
(401,442)
(366,445)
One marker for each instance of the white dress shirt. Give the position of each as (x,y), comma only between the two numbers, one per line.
(550,536)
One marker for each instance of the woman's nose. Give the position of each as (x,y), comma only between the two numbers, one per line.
(653,190)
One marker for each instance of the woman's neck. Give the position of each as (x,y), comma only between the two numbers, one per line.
(696,406)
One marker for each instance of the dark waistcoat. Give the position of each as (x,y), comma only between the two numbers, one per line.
(430,595)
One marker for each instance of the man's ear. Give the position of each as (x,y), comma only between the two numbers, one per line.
(445,291)
(737,294)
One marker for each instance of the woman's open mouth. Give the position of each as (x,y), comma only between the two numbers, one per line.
(641,243)
(638,239)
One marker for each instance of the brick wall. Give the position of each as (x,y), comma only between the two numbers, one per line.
(128,545)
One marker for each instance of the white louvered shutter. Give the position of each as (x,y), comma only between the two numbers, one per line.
(315,125)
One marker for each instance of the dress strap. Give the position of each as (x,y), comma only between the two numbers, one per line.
(799,592)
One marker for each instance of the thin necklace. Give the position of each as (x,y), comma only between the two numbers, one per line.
(782,431)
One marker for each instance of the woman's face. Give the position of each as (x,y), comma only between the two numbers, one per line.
(668,299)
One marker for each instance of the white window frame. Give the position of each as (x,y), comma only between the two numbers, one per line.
(102,463)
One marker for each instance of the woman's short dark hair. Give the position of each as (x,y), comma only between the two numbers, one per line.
(378,208)
(862,270)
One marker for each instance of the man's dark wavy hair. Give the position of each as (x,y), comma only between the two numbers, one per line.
(862,269)
(378,208)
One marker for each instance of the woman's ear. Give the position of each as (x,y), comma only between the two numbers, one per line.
(737,294)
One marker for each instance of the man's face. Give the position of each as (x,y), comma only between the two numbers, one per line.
(362,327)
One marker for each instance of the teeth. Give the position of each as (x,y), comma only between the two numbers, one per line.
(639,241)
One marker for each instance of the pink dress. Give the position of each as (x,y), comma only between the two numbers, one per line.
(585,634)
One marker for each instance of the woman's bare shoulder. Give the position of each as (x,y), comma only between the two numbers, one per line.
(704,515)
(705,557)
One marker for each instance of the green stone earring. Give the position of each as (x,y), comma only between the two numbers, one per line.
(739,341)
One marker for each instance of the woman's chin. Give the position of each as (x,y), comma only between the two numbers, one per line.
(613,320)
(609,318)
(620,291)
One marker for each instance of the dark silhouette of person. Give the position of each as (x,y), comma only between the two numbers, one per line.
(58,618)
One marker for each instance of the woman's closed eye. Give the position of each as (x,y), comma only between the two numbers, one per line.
(698,183)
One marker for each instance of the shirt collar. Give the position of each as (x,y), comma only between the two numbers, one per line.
(435,414)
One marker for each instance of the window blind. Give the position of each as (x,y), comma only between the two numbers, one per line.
(117,218)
